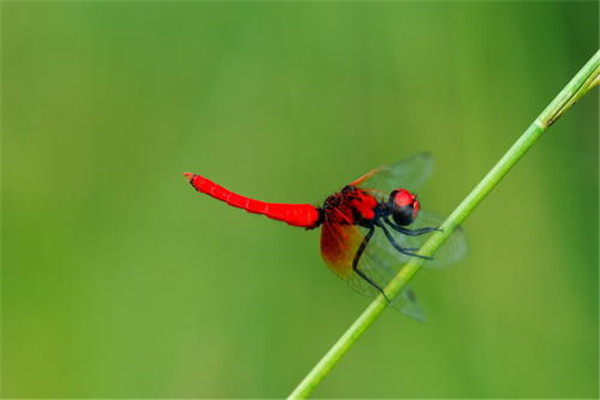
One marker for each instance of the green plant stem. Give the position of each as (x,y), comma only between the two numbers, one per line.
(583,81)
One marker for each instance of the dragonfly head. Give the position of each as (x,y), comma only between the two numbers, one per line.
(404,206)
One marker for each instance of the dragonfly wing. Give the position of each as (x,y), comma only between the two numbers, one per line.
(452,251)
(382,272)
(339,244)
(409,173)
(406,302)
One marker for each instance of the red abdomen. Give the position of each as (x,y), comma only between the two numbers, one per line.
(303,215)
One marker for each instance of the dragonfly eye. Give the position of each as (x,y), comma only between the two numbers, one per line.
(404,205)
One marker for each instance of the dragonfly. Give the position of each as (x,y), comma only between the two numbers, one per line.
(369,229)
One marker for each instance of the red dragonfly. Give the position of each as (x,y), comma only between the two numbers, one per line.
(365,237)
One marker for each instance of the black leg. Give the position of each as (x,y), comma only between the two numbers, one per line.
(397,246)
(357,256)
(410,232)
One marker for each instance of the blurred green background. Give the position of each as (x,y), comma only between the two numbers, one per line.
(118,280)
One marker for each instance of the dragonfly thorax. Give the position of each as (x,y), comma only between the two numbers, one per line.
(351,206)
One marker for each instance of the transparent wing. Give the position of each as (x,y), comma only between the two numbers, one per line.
(405,302)
(409,173)
(452,251)
(339,244)
(381,261)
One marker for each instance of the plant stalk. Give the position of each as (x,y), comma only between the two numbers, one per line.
(582,82)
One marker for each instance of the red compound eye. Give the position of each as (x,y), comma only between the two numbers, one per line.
(403,197)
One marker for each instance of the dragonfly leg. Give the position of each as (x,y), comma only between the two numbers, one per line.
(357,256)
(397,246)
(411,232)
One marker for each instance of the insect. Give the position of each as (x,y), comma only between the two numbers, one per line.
(365,234)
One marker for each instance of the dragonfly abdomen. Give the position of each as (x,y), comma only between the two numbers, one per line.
(302,215)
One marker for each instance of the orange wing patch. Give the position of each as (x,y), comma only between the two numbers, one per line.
(338,246)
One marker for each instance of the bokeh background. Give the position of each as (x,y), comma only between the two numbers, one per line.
(119,281)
